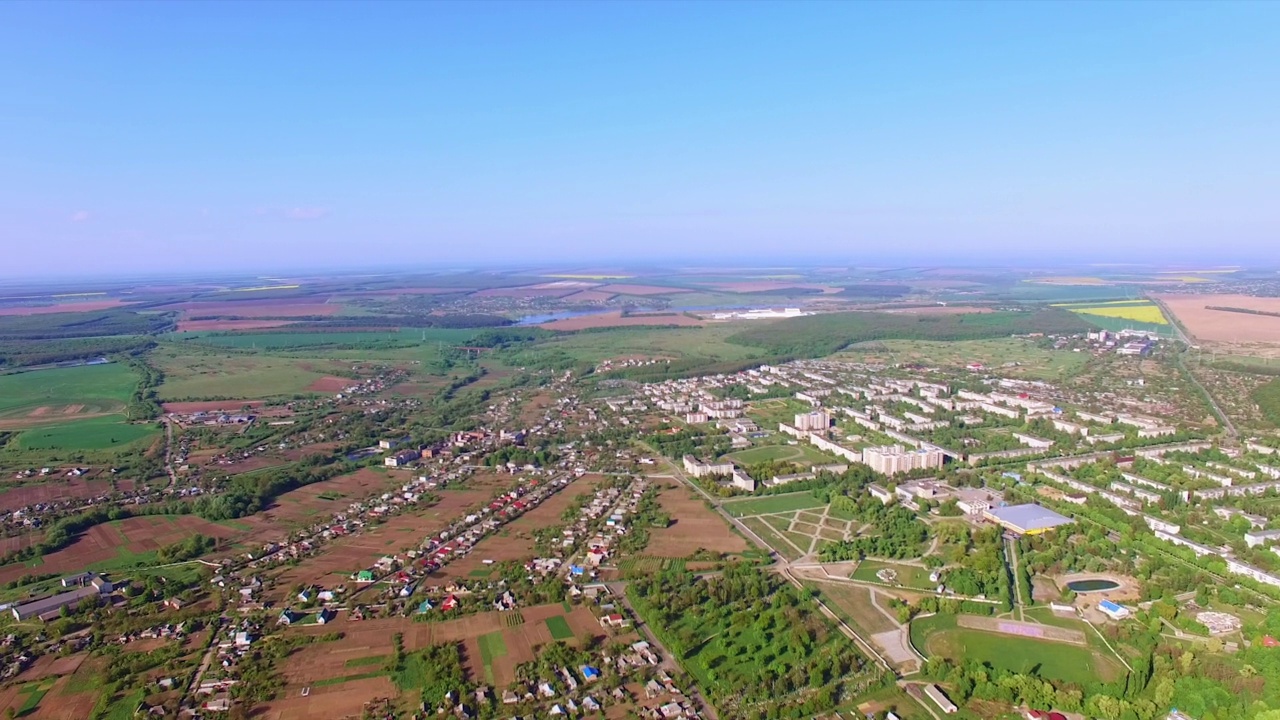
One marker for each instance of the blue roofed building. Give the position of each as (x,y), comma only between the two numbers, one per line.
(1028,519)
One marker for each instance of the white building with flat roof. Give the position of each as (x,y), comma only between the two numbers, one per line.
(893,459)
(811,421)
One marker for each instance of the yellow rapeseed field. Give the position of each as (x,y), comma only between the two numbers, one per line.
(1138,313)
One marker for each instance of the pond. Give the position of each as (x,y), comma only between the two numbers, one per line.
(1088,586)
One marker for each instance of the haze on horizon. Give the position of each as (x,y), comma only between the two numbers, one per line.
(141,138)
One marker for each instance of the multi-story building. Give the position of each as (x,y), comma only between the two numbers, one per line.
(810,421)
(893,459)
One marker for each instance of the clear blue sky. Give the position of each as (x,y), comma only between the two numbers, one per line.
(244,134)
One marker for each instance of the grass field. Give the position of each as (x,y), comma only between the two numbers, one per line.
(704,342)
(772,504)
(205,374)
(1032,362)
(773,538)
(97,388)
(908,575)
(802,454)
(492,646)
(287,340)
(853,604)
(100,433)
(939,635)
(559,628)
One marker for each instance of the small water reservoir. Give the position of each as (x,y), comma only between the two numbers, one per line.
(1088,586)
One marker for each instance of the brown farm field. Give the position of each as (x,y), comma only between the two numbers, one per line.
(617,319)
(371,638)
(330,384)
(773,286)
(55,488)
(304,505)
(282,308)
(119,540)
(1226,327)
(589,296)
(87,306)
(209,325)
(183,408)
(693,526)
(629,289)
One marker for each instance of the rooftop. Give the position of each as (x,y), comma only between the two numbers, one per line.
(1029,517)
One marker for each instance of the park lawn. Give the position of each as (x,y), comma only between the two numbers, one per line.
(775,540)
(853,604)
(559,628)
(908,575)
(781,523)
(939,635)
(772,504)
(109,432)
(99,388)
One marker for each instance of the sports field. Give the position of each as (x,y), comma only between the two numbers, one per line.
(802,454)
(59,394)
(940,635)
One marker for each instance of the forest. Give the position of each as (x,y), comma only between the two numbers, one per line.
(758,645)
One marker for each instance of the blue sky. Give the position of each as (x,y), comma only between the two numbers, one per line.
(253,136)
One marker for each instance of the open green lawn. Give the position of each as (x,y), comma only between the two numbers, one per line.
(704,342)
(908,575)
(559,628)
(491,646)
(1031,361)
(200,374)
(774,539)
(939,635)
(772,504)
(98,388)
(109,432)
(853,604)
(285,340)
(800,454)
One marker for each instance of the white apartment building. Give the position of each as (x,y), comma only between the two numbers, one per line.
(810,421)
(893,459)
